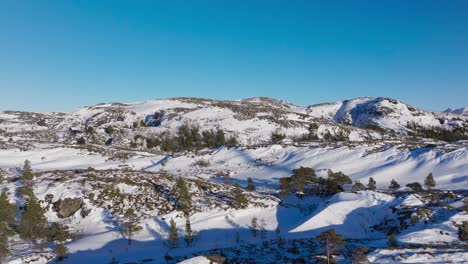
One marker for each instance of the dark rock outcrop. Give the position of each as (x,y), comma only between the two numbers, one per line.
(67,207)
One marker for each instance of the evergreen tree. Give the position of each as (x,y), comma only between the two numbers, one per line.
(27,178)
(463,231)
(331,242)
(278,232)
(359,255)
(415,186)
(253,226)
(129,225)
(301,177)
(339,177)
(173,236)
(392,241)
(183,195)
(358,186)
(58,233)
(263,232)
(227,178)
(189,235)
(240,201)
(429,182)
(372,184)
(285,186)
(394,186)
(250,185)
(7,213)
(61,251)
(4,248)
(33,223)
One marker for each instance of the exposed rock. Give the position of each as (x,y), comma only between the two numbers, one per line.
(67,207)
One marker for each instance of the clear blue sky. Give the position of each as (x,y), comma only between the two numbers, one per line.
(59,55)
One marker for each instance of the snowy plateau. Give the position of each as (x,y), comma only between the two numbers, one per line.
(258,180)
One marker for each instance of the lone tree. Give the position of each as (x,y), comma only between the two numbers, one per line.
(129,225)
(33,223)
(392,241)
(27,178)
(371,185)
(415,186)
(359,255)
(331,242)
(394,186)
(253,226)
(429,182)
(250,185)
(189,235)
(173,236)
(463,231)
(240,201)
(61,251)
(183,195)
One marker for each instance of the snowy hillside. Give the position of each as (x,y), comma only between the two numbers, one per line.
(381,112)
(258,180)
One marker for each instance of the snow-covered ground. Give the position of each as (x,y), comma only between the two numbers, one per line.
(427,232)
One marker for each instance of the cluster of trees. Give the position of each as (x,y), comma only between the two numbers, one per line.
(456,134)
(189,235)
(183,197)
(32,225)
(303,176)
(335,182)
(189,137)
(429,183)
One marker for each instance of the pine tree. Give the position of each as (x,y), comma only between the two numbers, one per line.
(57,232)
(263,232)
(27,177)
(429,182)
(173,236)
(227,179)
(4,249)
(189,235)
(61,251)
(394,186)
(285,186)
(250,185)
(240,201)
(372,184)
(463,231)
(129,225)
(7,212)
(392,241)
(331,242)
(278,232)
(415,186)
(33,223)
(253,226)
(301,177)
(183,195)
(359,255)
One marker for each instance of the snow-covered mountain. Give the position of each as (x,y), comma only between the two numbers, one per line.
(252,121)
(382,112)
(458,111)
(93,164)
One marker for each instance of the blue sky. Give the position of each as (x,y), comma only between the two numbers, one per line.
(59,55)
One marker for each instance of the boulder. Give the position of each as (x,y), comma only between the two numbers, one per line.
(67,207)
